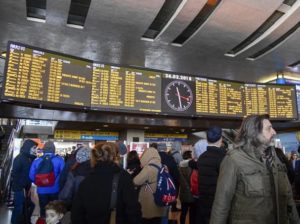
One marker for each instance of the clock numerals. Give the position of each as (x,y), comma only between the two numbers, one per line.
(178,95)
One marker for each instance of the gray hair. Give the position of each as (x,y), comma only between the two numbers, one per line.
(250,130)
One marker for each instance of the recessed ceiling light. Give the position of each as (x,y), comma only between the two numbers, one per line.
(97,129)
(146,127)
(105,125)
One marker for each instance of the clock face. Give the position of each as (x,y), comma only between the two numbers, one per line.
(178,95)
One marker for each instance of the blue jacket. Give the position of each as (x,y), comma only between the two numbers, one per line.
(20,170)
(58,165)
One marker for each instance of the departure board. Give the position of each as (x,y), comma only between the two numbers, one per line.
(125,89)
(279,101)
(218,97)
(38,75)
(44,77)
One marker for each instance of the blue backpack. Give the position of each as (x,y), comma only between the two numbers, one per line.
(165,193)
(45,176)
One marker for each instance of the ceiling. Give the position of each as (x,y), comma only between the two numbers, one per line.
(113,29)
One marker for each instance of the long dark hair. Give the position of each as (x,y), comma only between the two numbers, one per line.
(250,130)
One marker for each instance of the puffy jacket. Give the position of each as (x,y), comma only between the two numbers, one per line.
(149,174)
(248,192)
(58,165)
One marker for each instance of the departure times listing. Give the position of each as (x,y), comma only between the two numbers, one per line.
(276,100)
(125,88)
(217,97)
(43,76)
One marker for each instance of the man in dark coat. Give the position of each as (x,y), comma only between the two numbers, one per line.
(20,179)
(208,171)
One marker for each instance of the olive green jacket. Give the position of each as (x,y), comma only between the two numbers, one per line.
(250,193)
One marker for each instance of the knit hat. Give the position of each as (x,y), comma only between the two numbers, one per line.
(83,154)
(161,147)
(294,153)
(49,147)
(122,148)
(214,134)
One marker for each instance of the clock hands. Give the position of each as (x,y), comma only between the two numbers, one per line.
(184,97)
(179,98)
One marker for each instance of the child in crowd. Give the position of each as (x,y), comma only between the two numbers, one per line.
(55,211)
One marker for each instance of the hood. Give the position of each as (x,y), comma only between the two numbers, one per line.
(49,147)
(176,147)
(200,147)
(150,155)
(27,145)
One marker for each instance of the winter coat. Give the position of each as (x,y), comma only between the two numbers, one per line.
(91,204)
(208,171)
(75,177)
(185,194)
(58,165)
(149,174)
(249,192)
(20,169)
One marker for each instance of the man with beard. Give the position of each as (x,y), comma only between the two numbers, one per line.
(253,186)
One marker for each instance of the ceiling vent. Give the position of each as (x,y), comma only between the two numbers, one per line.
(289,2)
(165,16)
(275,44)
(295,64)
(78,13)
(36,10)
(197,23)
(273,22)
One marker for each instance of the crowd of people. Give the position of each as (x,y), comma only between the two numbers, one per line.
(249,183)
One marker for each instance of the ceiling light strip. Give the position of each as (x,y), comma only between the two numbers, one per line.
(160,22)
(198,22)
(275,44)
(267,32)
(295,64)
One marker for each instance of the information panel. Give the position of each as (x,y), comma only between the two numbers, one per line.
(218,97)
(36,75)
(44,77)
(125,88)
(279,101)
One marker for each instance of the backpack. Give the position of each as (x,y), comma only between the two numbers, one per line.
(44,176)
(194,183)
(165,193)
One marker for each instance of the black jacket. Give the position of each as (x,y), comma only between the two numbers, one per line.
(135,166)
(208,171)
(92,201)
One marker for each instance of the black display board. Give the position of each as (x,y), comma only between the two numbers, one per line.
(38,76)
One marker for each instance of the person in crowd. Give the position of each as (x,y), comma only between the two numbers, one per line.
(208,171)
(55,211)
(133,163)
(92,200)
(289,166)
(170,162)
(78,172)
(199,148)
(151,213)
(293,159)
(176,152)
(253,186)
(70,161)
(185,194)
(20,181)
(49,193)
